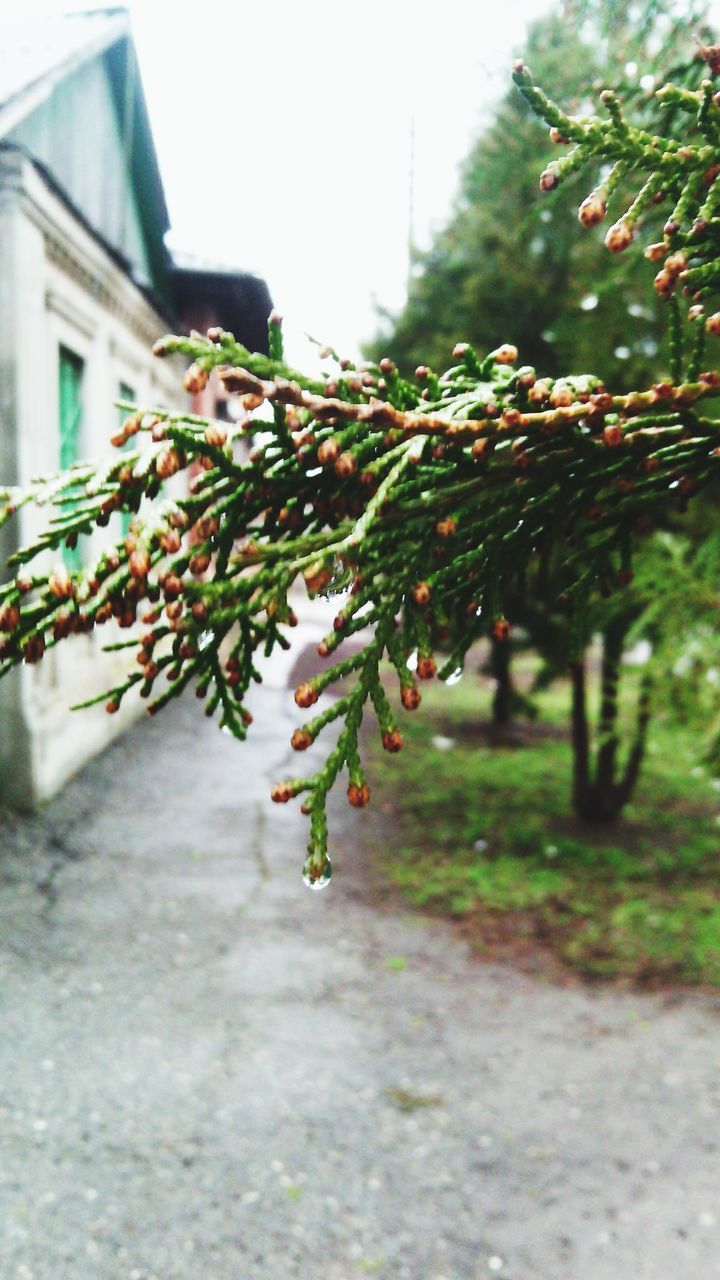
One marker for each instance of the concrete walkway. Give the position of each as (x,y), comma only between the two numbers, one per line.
(209,1073)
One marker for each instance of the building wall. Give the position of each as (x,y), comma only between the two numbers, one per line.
(64,290)
(14,742)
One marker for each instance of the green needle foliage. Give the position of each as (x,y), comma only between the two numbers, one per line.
(420,503)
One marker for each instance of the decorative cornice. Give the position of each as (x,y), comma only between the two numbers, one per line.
(78,252)
(62,306)
(59,252)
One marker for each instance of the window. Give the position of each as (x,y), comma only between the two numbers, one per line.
(70,403)
(125,392)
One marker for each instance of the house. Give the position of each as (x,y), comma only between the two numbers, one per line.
(86,286)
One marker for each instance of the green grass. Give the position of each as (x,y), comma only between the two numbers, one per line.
(638,899)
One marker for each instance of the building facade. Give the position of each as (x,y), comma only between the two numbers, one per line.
(86,286)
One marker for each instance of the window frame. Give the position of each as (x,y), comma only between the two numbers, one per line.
(76,366)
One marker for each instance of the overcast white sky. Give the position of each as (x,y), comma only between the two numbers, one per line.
(283,132)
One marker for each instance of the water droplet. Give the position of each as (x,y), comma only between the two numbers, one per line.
(317,877)
(455,676)
(411,663)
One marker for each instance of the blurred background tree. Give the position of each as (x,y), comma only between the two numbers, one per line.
(512,261)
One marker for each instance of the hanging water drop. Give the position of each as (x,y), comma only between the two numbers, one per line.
(455,676)
(317,876)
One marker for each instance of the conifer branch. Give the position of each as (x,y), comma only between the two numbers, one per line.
(418,503)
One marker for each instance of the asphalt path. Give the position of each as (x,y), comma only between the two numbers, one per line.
(209,1073)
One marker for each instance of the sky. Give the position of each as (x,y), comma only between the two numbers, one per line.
(287,133)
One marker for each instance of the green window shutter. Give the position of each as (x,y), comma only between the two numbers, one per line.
(70,404)
(125,392)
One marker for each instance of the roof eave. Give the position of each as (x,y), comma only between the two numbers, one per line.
(16,108)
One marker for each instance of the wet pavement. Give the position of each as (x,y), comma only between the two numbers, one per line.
(209,1073)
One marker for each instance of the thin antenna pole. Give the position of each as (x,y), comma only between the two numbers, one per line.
(411,201)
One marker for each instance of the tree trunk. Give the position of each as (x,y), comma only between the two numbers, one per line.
(598,794)
(580,739)
(607,800)
(637,753)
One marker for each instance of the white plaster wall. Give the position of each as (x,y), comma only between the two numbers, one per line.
(73,294)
